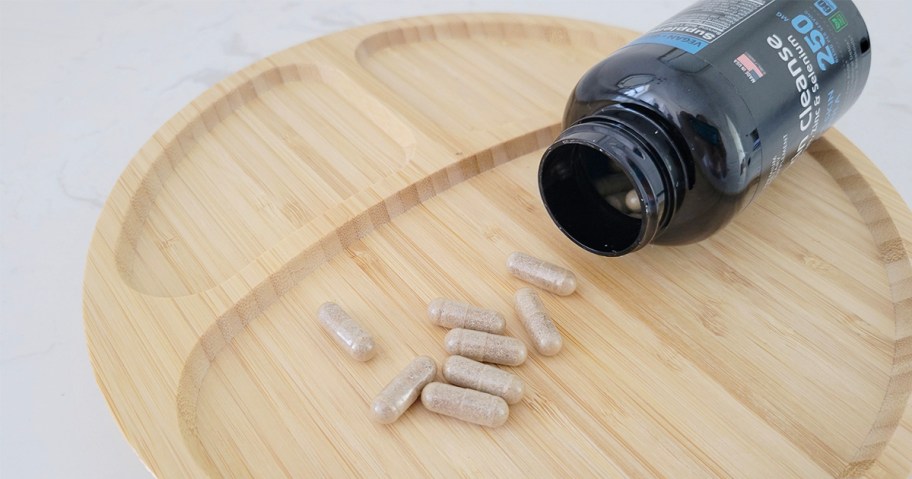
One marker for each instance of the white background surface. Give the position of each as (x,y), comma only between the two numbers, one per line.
(84,85)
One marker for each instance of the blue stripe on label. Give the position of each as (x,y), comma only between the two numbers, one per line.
(685,42)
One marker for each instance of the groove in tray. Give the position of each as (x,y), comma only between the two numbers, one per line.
(259,163)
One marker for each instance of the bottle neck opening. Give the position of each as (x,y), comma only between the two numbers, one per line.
(604,188)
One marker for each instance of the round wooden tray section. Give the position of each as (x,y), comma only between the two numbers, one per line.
(387,165)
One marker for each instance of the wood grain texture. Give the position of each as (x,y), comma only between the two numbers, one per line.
(388,165)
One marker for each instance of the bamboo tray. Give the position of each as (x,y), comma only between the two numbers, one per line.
(387,165)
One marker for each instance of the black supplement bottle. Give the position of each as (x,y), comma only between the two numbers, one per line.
(672,135)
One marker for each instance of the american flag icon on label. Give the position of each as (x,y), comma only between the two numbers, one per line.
(750,67)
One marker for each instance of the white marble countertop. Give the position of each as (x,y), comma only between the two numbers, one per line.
(83,85)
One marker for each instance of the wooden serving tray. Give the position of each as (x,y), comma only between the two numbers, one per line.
(387,165)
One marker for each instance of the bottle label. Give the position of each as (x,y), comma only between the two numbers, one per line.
(702,23)
(795,64)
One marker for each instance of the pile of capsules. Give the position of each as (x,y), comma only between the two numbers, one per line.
(477,392)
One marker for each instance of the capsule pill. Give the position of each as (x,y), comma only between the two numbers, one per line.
(632,201)
(485,347)
(346,331)
(403,390)
(455,314)
(467,373)
(465,404)
(530,309)
(540,273)
(617,201)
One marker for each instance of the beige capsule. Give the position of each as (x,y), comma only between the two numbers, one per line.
(346,331)
(632,201)
(616,201)
(465,404)
(544,334)
(467,373)
(485,347)
(455,314)
(547,276)
(403,390)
